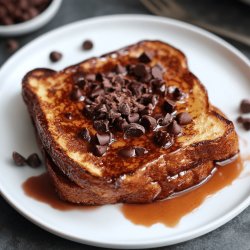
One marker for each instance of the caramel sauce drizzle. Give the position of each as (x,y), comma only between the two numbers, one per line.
(170,211)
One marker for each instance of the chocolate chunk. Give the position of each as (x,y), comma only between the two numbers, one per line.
(163,139)
(156,72)
(133,118)
(127,152)
(12,45)
(99,150)
(84,134)
(136,88)
(102,139)
(139,151)
(68,115)
(55,56)
(246,123)
(148,122)
(101,125)
(140,70)
(134,130)
(34,161)
(165,120)
(107,83)
(97,92)
(145,57)
(183,118)
(168,105)
(87,45)
(120,124)
(118,79)
(119,69)
(90,77)
(245,106)
(174,128)
(18,159)
(124,109)
(76,94)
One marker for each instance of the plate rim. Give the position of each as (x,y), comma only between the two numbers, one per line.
(156,242)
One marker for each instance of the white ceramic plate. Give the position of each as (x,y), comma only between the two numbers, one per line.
(222,68)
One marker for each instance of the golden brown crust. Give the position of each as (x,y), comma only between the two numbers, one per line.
(142,180)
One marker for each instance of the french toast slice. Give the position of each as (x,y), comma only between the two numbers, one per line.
(108,176)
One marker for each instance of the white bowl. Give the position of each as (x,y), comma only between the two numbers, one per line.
(34,23)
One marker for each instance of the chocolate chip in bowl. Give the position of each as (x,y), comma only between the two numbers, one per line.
(19,17)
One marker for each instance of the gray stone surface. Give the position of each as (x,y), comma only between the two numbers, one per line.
(18,233)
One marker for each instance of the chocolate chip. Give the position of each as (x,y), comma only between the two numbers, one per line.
(119,69)
(148,122)
(87,45)
(145,57)
(163,139)
(12,45)
(76,94)
(183,118)
(140,70)
(99,150)
(245,106)
(120,124)
(240,119)
(32,12)
(79,80)
(246,123)
(18,159)
(34,161)
(55,56)
(168,105)
(134,130)
(174,128)
(124,109)
(88,111)
(68,115)
(139,151)
(112,115)
(101,125)
(102,139)
(133,118)
(165,120)
(156,72)
(84,134)
(177,94)
(127,152)
(99,77)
